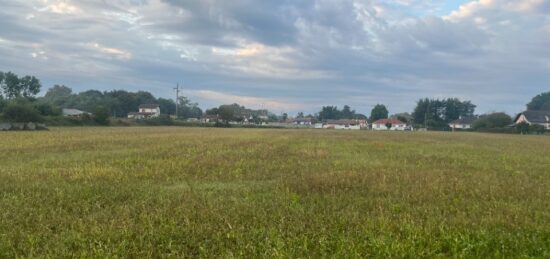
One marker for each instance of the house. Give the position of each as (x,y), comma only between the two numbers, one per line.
(345,124)
(301,121)
(462,123)
(209,118)
(146,111)
(534,118)
(74,113)
(396,124)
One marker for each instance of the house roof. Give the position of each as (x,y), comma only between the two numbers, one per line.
(393,121)
(464,120)
(344,122)
(536,116)
(73,112)
(149,106)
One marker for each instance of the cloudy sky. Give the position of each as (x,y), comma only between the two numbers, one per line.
(287,55)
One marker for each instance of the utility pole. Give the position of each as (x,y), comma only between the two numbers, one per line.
(177,98)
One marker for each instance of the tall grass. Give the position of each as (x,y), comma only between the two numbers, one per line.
(177,192)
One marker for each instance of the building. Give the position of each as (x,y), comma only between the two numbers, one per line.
(74,113)
(301,121)
(209,118)
(464,123)
(534,118)
(396,124)
(345,124)
(146,111)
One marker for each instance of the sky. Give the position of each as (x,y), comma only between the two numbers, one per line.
(287,55)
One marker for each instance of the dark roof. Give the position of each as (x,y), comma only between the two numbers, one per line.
(149,106)
(344,122)
(393,121)
(464,120)
(536,116)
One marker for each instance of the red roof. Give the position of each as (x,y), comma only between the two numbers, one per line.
(393,121)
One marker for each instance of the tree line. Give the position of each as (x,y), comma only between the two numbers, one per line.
(19,102)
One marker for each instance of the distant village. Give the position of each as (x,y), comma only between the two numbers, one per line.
(21,108)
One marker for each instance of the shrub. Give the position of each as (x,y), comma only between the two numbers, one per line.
(47,109)
(101,116)
(18,112)
(537,129)
(493,120)
(522,128)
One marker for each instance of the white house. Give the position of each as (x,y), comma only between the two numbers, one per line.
(534,117)
(345,124)
(382,124)
(146,111)
(463,123)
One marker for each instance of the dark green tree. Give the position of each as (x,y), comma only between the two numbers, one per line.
(58,95)
(21,112)
(522,128)
(378,112)
(226,113)
(101,116)
(329,113)
(540,102)
(347,113)
(492,121)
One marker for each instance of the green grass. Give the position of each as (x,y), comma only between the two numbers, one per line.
(182,192)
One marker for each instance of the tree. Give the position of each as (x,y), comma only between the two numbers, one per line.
(347,113)
(167,106)
(47,109)
(522,128)
(188,109)
(379,112)
(540,102)
(21,112)
(58,95)
(10,86)
(388,125)
(329,113)
(1,84)
(435,113)
(29,86)
(14,87)
(492,121)
(226,113)
(101,116)
(300,115)
(284,117)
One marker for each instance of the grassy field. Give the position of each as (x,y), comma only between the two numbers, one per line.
(181,192)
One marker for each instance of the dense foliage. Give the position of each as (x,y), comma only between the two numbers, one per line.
(435,113)
(12,86)
(333,113)
(492,121)
(378,112)
(540,102)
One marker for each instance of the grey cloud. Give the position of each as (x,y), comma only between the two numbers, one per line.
(356,52)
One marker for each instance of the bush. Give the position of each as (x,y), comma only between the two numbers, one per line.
(492,121)
(522,128)
(18,112)
(162,120)
(47,109)
(537,129)
(101,116)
